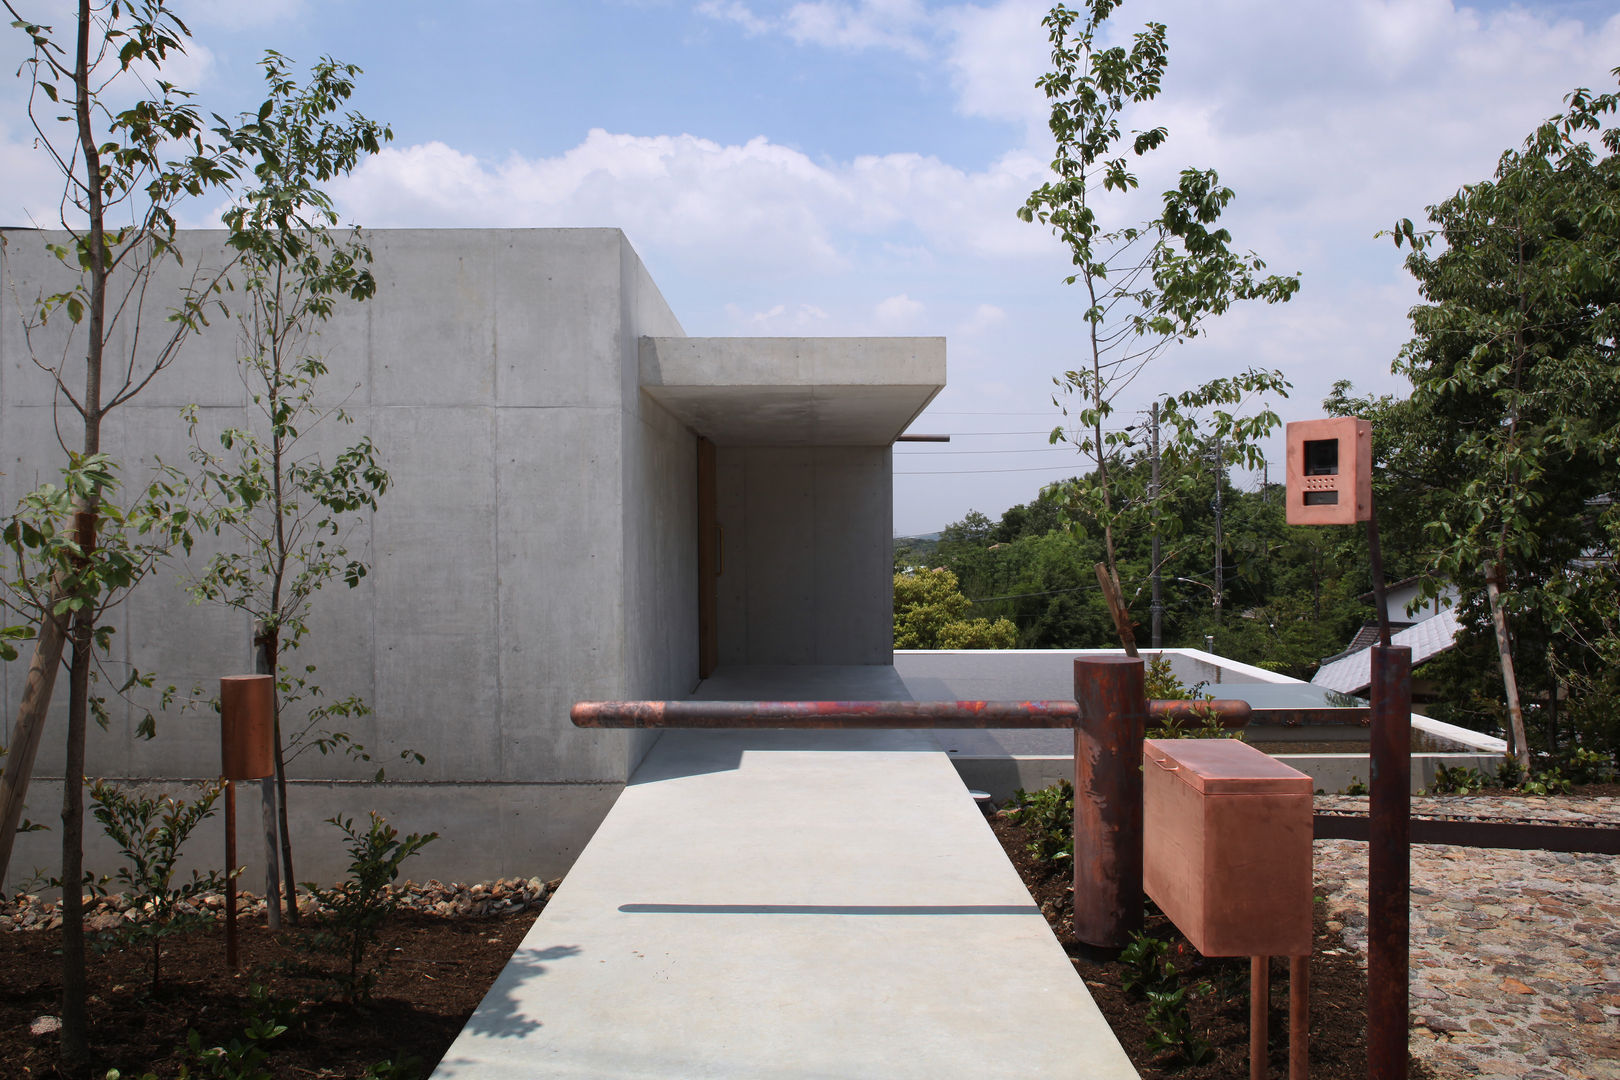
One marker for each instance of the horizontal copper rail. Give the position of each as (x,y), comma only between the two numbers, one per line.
(1595,839)
(870,715)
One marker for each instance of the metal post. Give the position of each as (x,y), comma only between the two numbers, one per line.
(1220,536)
(1259,1015)
(230,874)
(1158,597)
(1389,862)
(1299,1017)
(1111,703)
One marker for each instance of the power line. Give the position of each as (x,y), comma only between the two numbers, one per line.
(1042,431)
(1036,450)
(962,472)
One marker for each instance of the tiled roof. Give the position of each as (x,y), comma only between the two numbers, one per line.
(1352,674)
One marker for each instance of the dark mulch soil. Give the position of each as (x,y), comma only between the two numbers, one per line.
(439,970)
(1338,991)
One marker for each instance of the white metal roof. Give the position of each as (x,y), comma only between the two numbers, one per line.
(1353,674)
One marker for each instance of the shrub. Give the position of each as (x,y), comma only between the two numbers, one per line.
(1047,816)
(150,833)
(355,910)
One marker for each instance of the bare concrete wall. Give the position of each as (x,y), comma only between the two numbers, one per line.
(807,561)
(527,556)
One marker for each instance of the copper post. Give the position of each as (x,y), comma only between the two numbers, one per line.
(1299,1017)
(230,875)
(1259,1015)
(1389,862)
(1112,713)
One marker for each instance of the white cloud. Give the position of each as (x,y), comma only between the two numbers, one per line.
(898,313)
(734,12)
(778,320)
(869,24)
(236,13)
(757,204)
(984,317)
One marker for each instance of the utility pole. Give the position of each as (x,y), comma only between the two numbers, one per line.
(1158,598)
(1220,539)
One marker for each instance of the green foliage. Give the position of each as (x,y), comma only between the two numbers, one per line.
(1457,780)
(1161,683)
(354,911)
(1148,285)
(1048,817)
(1357,786)
(288,507)
(1589,767)
(1292,593)
(50,569)
(1150,974)
(1509,440)
(1205,723)
(1545,782)
(930,612)
(408,1067)
(1170,1027)
(244,1058)
(1147,965)
(149,832)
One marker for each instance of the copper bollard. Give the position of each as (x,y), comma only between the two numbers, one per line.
(247,722)
(1389,866)
(1112,703)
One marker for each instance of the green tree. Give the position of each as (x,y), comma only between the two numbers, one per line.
(1148,286)
(131,165)
(930,612)
(288,507)
(1515,374)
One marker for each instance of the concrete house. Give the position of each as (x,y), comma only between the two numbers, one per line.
(586,504)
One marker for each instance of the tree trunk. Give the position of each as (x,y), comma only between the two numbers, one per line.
(265,664)
(30,726)
(75,1046)
(268,656)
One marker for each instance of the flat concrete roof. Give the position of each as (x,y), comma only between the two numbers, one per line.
(790,904)
(813,391)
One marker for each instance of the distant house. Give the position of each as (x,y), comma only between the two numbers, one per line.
(1429,628)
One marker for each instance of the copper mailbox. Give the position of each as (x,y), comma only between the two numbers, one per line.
(247,727)
(1329,471)
(1226,846)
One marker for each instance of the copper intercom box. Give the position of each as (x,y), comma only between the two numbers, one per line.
(1329,471)
(1226,846)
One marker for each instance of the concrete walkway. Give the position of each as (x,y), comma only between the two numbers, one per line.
(790,904)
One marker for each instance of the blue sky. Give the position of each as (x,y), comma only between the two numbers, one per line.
(853,166)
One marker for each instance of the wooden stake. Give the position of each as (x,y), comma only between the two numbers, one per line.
(230,875)
(272,852)
(1493,586)
(1116,608)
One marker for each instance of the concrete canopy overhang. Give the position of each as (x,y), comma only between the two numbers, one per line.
(794,391)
